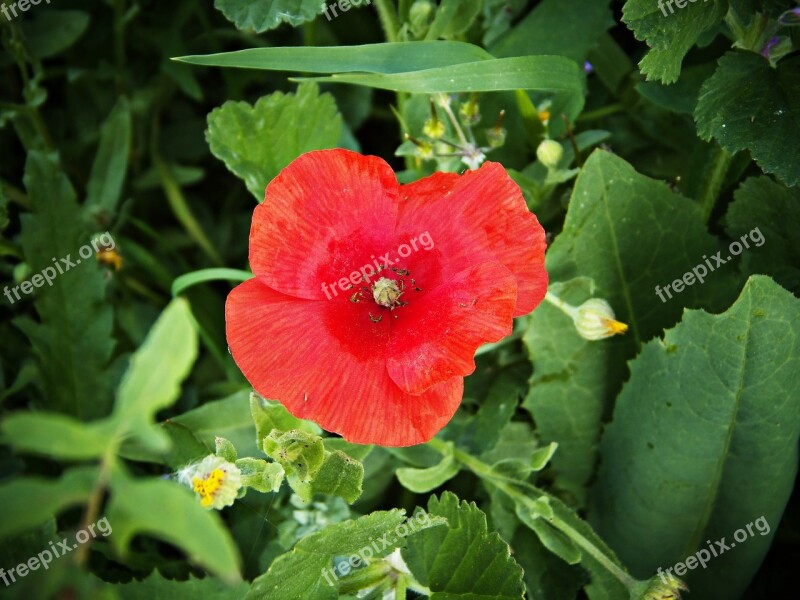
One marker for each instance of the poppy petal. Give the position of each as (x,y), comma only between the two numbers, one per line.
(480,215)
(322,218)
(329,369)
(436,335)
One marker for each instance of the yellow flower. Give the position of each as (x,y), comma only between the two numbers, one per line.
(215,481)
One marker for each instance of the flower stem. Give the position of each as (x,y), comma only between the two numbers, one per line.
(388,17)
(509,487)
(717,170)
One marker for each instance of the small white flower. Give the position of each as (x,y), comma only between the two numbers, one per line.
(215,481)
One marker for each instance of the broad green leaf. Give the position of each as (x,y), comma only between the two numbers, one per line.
(463,558)
(368,58)
(453,17)
(178,519)
(339,475)
(110,164)
(30,501)
(300,573)
(153,379)
(422,481)
(73,342)
(704,441)
(256,142)
(748,105)
(156,587)
(56,435)
(262,15)
(50,32)
(553,74)
(680,97)
(630,234)
(767,214)
(229,417)
(568,29)
(669,31)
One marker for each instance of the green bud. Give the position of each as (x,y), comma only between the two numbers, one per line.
(496,137)
(420,17)
(549,153)
(664,587)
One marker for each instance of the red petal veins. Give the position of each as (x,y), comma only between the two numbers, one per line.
(301,353)
(323,217)
(480,215)
(435,336)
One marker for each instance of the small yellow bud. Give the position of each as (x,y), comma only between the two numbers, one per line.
(434,128)
(664,587)
(549,153)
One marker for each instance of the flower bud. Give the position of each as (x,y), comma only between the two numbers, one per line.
(434,128)
(664,587)
(420,16)
(595,320)
(549,153)
(496,137)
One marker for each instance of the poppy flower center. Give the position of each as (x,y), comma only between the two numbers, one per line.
(387,293)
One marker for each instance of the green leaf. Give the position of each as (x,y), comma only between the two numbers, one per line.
(179,520)
(552,539)
(50,32)
(339,475)
(629,234)
(670,36)
(30,501)
(749,105)
(300,573)
(556,27)
(554,74)
(368,58)
(704,440)
(768,210)
(263,15)
(153,379)
(256,142)
(229,417)
(356,451)
(111,163)
(55,435)
(462,559)
(75,376)
(453,17)
(546,576)
(187,280)
(155,587)
(270,415)
(422,481)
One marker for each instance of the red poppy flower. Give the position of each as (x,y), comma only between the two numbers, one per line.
(370,297)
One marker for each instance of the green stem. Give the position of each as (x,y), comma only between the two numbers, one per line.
(484,471)
(388,17)
(717,170)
